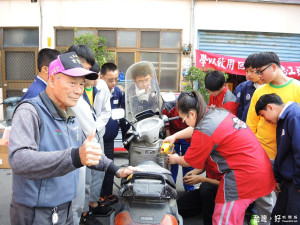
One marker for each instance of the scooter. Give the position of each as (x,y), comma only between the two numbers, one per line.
(11,103)
(149,195)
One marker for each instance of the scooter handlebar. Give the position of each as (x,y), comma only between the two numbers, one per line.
(129,139)
(167,120)
(174,118)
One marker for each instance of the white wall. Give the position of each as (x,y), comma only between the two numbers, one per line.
(96,13)
(173,14)
(241,16)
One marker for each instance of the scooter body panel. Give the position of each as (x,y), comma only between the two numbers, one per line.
(141,151)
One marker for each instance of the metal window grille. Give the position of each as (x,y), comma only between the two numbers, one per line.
(19,65)
(12,93)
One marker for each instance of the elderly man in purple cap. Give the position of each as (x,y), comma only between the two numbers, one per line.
(46,148)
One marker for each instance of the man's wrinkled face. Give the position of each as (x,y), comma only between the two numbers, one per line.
(66,90)
(143,82)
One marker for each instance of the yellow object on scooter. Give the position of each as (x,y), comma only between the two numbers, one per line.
(167,148)
(129,177)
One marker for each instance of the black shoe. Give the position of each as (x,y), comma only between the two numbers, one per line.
(101,210)
(89,219)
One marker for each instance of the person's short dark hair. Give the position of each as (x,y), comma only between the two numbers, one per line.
(83,51)
(249,60)
(95,68)
(214,80)
(265,58)
(141,70)
(266,99)
(46,56)
(108,67)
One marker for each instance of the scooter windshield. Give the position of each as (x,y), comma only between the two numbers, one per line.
(142,94)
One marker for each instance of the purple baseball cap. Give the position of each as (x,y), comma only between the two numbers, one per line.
(69,64)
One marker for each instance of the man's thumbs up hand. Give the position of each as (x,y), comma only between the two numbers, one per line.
(90,152)
(91,136)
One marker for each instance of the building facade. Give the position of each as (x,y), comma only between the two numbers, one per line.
(165,32)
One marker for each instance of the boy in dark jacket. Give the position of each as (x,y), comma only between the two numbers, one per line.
(287,161)
(45,57)
(244,91)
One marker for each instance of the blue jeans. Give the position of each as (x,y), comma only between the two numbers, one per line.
(180,147)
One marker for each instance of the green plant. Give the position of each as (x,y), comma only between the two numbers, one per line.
(195,81)
(98,46)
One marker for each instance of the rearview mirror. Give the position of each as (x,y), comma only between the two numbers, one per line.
(169,97)
(117,114)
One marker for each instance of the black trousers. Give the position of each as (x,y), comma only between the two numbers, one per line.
(107,186)
(198,201)
(287,207)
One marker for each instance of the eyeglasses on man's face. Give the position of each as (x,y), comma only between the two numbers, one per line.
(260,72)
(112,80)
(146,81)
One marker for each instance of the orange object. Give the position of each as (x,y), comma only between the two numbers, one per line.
(124,218)
(4,154)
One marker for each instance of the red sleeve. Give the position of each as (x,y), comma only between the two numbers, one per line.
(232,107)
(198,152)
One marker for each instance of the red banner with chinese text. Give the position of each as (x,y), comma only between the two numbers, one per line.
(234,65)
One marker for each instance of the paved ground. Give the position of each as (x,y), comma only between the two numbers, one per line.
(121,158)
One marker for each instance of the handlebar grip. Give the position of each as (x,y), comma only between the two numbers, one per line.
(129,139)
(174,118)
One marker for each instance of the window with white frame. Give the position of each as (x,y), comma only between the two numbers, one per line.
(159,46)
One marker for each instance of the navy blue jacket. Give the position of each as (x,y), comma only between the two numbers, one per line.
(112,127)
(35,88)
(244,92)
(287,161)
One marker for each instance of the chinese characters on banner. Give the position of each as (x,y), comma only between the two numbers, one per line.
(235,65)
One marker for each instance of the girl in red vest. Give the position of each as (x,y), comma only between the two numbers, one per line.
(229,147)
